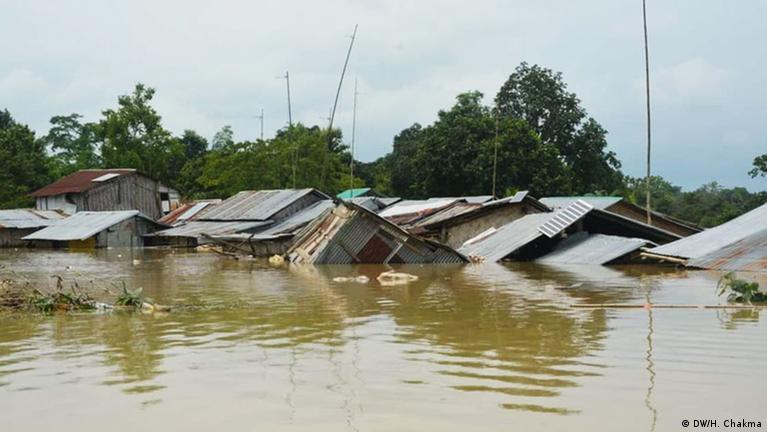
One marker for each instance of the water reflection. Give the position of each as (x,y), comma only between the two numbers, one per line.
(490,336)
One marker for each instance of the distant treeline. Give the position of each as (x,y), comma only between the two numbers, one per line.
(541,137)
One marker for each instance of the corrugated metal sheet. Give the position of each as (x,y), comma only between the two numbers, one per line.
(502,242)
(416,206)
(257,205)
(448,213)
(352,234)
(78,182)
(474,199)
(29,218)
(82,225)
(506,239)
(390,201)
(373,204)
(595,249)
(714,239)
(195,229)
(748,254)
(598,202)
(564,218)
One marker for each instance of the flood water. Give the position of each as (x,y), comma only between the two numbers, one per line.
(478,347)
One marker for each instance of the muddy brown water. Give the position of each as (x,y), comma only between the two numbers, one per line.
(478,347)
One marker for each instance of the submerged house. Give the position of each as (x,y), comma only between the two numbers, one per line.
(574,229)
(188,212)
(620,206)
(739,244)
(456,224)
(18,223)
(108,190)
(247,212)
(96,230)
(351,234)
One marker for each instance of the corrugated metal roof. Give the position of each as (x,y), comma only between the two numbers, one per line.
(371,203)
(416,206)
(352,193)
(195,229)
(598,202)
(82,225)
(448,213)
(352,234)
(29,218)
(390,200)
(78,182)
(748,254)
(475,199)
(500,243)
(189,211)
(595,249)
(257,205)
(713,239)
(564,218)
(298,220)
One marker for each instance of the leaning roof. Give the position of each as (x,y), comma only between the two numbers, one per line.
(81,181)
(713,239)
(29,218)
(258,205)
(594,249)
(83,225)
(748,254)
(196,229)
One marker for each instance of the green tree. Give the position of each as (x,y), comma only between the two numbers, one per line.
(24,163)
(540,97)
(760,166)
(132,136)
(74,144)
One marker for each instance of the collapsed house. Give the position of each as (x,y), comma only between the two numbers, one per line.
(107,190)
(188,212)
(622,207)
(351,234)
(610,237)
(88,230)
(273,213)
(457,223)
(18,223)
(739,244)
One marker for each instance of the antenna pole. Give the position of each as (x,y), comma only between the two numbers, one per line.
(335,104)
(647,86)
(354,136)
(261,118)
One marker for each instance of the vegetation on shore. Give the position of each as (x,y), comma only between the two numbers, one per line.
(544,141)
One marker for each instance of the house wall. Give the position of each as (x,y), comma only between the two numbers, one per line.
(126,192)
(56,202)
(128,233)
(455,235)
(11,237)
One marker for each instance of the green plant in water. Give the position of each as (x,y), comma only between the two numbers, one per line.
(130,298)
(739,290)
(60,299)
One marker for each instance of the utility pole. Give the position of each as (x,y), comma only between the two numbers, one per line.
(333,111)
(647,86)
(261,118)
(286,77)
(495,151)
(354,136)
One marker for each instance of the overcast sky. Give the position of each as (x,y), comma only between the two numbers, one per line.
(216,63)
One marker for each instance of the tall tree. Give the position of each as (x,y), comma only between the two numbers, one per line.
(132,136)
(760,166)
(73,144)
(540,97)
(24,163)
